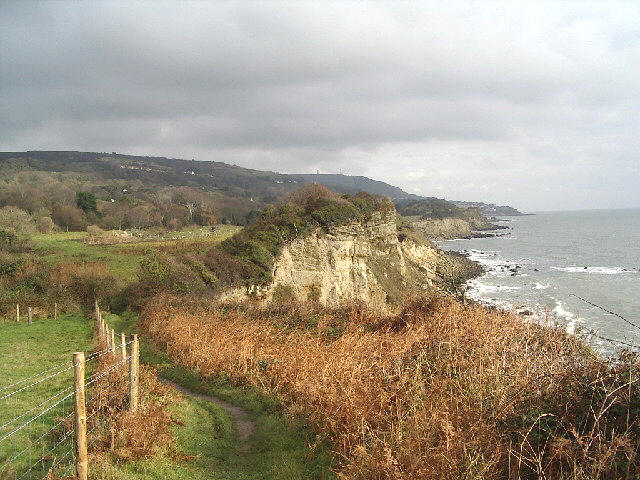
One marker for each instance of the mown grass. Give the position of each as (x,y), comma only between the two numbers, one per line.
(280,448)
(26,350)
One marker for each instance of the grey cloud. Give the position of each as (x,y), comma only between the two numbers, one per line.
(466,93)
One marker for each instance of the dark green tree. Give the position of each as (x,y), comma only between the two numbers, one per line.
(87,202)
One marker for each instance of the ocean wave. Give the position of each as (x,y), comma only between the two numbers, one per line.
(540,286)
(597,270)
(567,316)
(479,288)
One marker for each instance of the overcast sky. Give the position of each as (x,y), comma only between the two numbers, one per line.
(536,105)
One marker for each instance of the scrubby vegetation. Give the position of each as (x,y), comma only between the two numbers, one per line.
(437,390)
(113,191)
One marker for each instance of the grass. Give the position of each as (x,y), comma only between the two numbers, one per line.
(26,350)
(207,443)
(59,248)
(121,260)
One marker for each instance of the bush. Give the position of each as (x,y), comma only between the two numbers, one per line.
(12,243)
(45,225)
(336,214)
(160,272)
(15,220)
(229,270)
(85,282)
(95,231)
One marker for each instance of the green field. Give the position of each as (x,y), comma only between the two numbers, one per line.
(26,350)
(122,259)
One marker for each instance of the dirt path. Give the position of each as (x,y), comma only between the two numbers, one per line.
(240,416)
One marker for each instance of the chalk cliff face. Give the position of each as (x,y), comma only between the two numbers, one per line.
(453,227)
(443,229)
(368,262)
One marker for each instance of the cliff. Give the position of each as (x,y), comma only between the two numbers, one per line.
(443,229)
(369,261)
(463,226)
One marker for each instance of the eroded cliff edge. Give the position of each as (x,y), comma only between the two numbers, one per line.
(371,261)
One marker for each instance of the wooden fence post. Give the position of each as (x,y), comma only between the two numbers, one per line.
(133,375)
(82,462)
(113,341)
(30,315)
(123,347)
(18,312)
(55,310)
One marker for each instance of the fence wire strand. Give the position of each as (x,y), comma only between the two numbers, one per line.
(35,383)
(33,376)
(13,420)
(48,449)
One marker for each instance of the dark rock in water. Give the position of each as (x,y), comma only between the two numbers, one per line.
(536,270)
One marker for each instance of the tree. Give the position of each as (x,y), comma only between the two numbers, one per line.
(87,202)
(69,217)
(189,199)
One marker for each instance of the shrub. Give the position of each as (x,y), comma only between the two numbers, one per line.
(95,231)
(283,294)
(160,272)
(336,213)
(86,282)
(17,221)
(229,270)
(12,243)
(45,225)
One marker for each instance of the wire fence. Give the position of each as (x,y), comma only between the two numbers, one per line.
(42,427)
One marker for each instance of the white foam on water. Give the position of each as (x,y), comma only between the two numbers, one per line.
(596,270)
(540,286)
(559,311)
(571,319)
(477,288)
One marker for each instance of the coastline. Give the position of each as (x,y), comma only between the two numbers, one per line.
(535,274)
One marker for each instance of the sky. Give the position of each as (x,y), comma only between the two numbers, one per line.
(530,104)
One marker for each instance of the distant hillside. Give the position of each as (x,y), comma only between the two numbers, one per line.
(238,191)
(354,184)
(229,179)
(490,209)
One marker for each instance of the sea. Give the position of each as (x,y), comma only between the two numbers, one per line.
(579,270)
